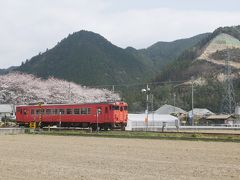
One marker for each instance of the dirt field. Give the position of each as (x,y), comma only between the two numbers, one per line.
(61,157)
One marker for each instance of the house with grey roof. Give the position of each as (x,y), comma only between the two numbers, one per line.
(169,109)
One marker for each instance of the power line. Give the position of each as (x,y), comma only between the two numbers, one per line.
(137,84)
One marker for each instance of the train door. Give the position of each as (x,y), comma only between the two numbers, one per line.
(121,114)
(99,115)
(106,114)
(19,114)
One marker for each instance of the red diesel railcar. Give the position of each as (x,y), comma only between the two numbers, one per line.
(105,115)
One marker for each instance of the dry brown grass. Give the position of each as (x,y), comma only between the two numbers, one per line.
(66,157)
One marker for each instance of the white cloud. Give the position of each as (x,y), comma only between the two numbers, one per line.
(31,26)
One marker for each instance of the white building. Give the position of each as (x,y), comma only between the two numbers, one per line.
(155,122)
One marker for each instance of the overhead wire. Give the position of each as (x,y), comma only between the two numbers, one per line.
(137,84)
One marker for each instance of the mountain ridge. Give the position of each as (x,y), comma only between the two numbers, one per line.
(91,53)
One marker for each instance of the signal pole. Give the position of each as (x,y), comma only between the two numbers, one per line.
(147,91)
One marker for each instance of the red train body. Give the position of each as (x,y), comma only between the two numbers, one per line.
(105,115)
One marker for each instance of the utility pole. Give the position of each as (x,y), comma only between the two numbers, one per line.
(113,88)
(174,101)
(69,94)
(152,111)
(192,79)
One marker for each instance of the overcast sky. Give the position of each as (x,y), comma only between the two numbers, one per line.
(28,27)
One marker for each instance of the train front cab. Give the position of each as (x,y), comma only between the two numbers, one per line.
(22,115)
(120,114)
(111,116)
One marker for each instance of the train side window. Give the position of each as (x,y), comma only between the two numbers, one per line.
(32,111)
(76,111)
(48,111)
(83,110)
(25,112)
(56,111)
(99,110)
(38,111)
(69,111)
(19,110)
(89,110)
(61,111)
(121,108)
(125,108)
(42,111)
(106,109)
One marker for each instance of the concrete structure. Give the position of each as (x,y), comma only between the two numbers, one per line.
(7,110)
(5,131)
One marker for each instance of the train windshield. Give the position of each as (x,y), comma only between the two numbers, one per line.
(115,107)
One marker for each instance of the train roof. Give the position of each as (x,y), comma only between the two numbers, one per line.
(43,104)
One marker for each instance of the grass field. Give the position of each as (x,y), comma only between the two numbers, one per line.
(75,157)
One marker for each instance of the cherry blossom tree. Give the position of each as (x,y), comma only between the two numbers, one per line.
(20,88)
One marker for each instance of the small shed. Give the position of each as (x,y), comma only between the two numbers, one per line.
(218,119)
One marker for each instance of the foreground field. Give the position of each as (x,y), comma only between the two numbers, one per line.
(67,157)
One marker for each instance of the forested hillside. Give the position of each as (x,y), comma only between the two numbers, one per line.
(205,63)
(162,53)
(88,59)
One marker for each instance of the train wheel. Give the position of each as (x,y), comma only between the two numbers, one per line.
(94,127)
(111,127)
(106,128)
(122,127)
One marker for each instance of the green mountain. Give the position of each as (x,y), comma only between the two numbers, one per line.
(162,53)
(8,70)
(200,60)
(89,59)
(205,62)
